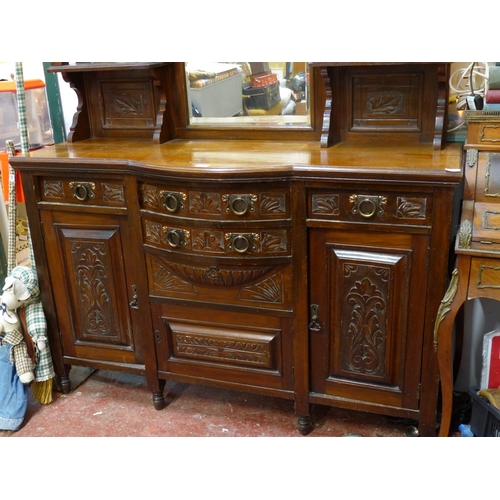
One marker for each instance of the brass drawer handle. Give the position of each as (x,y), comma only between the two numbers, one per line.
(82,191)
(175,237)
(242,243)
(172,201)
(367,206)
(240,204)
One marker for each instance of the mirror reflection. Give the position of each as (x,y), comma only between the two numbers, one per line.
(248,94)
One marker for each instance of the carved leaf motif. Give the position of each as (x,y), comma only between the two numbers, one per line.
(53,189)
(205,203)
(325,204)
(384,103)
(207,242)
(150,196)
(272,204)
(367,340)
(411,208)
(113,193)
(153,232)
(92,287)
(128,104)
(273,242)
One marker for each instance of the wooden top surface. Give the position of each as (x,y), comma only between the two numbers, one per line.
(265,158)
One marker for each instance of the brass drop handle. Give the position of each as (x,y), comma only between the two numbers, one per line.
(175,237)
(240,204)
(314,324)
(172,201)
(134,304)
(367,208)
(241,243)
(82,191)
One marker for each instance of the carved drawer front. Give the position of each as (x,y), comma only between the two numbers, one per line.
(484,278)
(367,206)
(217,204)
(83,192)
(263,286)
(212,241)
(233,347)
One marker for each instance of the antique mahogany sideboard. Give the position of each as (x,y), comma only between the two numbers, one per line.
(310,270)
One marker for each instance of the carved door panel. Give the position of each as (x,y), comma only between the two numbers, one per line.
(367,294)
(92,280)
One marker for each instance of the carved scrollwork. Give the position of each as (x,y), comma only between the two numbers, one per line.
(411,208)
(113,193)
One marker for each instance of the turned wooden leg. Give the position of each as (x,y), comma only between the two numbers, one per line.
(158,400)
(304,425)
(65,384)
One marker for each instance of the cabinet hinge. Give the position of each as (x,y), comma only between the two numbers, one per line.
(419,390)
(428,257)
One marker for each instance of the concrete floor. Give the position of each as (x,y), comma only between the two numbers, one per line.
(105,403)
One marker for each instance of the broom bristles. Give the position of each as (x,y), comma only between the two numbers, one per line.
(42,391)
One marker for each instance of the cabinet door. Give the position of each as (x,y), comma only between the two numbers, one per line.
(92,281)
(369,289)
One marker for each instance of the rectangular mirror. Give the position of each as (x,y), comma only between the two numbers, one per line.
(248,94)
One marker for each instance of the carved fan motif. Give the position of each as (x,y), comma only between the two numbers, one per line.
(204,203)
(113,193)
(272,204)
(325,204)
(269,290)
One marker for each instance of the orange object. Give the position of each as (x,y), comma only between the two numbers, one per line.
(4,160)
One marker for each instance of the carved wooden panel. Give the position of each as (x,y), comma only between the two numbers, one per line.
(92,260)
(389,101)
(253,285)
(325,204)
(411,208)
(127,104)
(223,344)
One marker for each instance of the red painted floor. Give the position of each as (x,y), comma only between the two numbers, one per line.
(116,404)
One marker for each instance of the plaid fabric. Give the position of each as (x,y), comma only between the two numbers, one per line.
(36,322)
(37,328)
(11,258)
(19,352)
(21,108)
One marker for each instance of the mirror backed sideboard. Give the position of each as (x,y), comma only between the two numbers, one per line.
(302,264)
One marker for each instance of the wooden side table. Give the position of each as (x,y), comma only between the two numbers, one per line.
(477,247)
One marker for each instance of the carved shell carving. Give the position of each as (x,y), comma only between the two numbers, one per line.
(215,276)
(411,208)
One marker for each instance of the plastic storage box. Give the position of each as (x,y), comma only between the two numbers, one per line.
(485,418)
(37,114)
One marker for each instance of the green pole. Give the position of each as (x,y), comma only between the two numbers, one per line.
(55,105)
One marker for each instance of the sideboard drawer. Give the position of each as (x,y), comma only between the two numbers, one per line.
(251,203)
(266,285)
(80,191)
(235,241)
(370,206)
(239,348)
